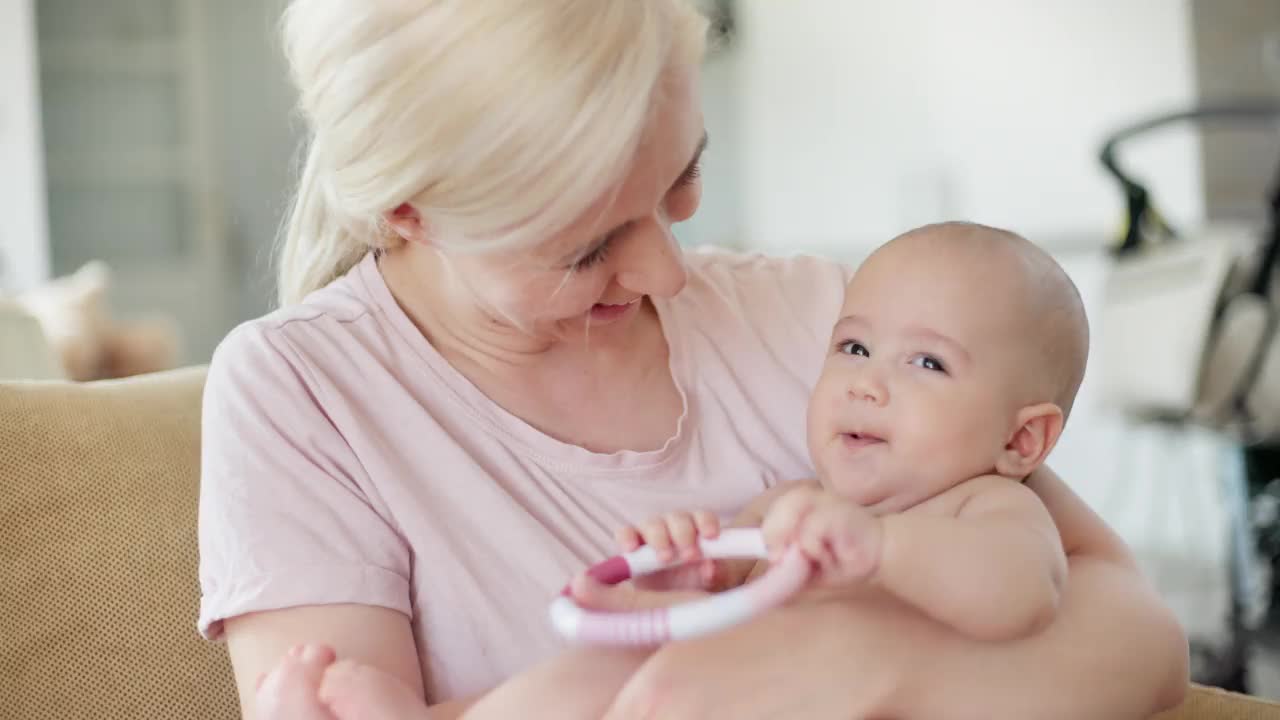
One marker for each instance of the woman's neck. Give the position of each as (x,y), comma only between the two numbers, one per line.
(609,392)
(476,341)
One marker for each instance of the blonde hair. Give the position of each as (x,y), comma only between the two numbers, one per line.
(500,121)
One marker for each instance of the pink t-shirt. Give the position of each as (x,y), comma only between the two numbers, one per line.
(344,461)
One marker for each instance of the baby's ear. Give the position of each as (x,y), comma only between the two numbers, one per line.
(1036,431)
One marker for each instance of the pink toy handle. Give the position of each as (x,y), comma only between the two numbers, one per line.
(692,619)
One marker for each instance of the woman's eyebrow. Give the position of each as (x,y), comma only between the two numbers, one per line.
(604,238)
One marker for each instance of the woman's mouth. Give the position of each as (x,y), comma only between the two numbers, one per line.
(602,313)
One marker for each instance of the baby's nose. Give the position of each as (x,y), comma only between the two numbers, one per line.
(868,387)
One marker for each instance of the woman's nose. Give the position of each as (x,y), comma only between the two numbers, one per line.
(653,263)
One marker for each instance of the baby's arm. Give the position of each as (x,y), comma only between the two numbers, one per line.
(993,570)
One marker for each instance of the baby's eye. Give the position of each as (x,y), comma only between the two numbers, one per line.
(852,347)
(928,363)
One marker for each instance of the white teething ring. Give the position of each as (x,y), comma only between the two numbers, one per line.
(700,617)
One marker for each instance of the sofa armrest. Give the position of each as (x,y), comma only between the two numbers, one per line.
(1210,703)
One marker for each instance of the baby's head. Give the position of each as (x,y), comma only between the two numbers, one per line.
(958,353)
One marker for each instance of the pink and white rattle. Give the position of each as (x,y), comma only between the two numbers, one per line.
(700,617)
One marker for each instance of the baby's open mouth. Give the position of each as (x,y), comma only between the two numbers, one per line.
(860,440)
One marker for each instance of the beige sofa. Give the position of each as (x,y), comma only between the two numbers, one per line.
(98,589)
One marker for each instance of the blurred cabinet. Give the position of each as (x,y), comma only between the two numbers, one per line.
(130,158)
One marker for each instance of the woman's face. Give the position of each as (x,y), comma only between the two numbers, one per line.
(595,273)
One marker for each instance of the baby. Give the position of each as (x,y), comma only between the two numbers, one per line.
(950,373)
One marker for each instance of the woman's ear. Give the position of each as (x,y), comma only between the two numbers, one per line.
(1036,432)
(406,222)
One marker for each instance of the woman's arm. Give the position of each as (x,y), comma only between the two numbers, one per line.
(1113,651)
(371,635)
(577,685)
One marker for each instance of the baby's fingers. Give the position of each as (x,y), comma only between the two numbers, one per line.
(628,538)
(684,534)
(657,536)
(707,522)
(785,517)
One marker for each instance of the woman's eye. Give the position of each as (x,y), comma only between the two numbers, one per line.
(690,176)
(595,257)
(928,363)
(850,347)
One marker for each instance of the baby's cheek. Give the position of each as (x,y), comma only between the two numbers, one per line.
(814,424)
(826,404)
(970,447)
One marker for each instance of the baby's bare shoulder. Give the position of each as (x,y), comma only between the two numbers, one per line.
(980,495)
(996,495)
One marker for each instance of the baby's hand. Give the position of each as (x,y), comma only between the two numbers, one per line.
(841,537)
(672,536)
(675,536)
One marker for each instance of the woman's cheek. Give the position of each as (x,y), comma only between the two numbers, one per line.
(572,296)
(682,204)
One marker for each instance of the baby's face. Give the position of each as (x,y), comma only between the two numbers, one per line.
(916,393)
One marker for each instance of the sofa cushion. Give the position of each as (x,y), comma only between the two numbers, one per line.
(1209,703)
(99,485)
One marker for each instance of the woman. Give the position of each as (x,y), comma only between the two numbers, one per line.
(491,353)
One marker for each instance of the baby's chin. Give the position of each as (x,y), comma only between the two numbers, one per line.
(873,492)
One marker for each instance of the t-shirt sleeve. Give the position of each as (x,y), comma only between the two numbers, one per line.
(283,521)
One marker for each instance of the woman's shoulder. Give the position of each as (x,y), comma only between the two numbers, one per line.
(772,294)
(296,349)
(326,316)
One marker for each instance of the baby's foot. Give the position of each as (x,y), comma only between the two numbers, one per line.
(290,690)
(353,691)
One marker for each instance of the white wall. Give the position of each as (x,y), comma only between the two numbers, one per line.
(719,217)
(24,256)
(862,118)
